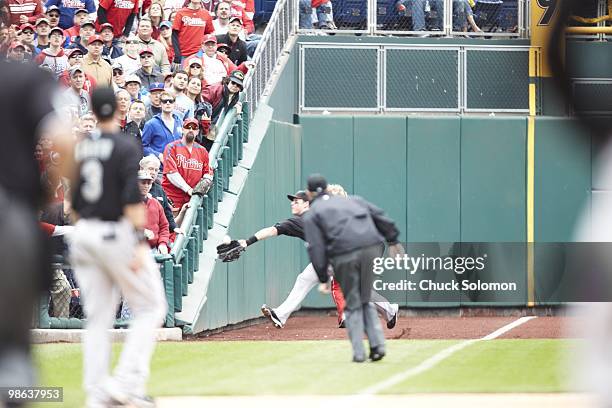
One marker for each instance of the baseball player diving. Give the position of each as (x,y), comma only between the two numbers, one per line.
(110,253)
(307,279)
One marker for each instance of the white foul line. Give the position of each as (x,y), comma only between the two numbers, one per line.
(438,357)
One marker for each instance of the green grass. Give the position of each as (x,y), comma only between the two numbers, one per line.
(322,367)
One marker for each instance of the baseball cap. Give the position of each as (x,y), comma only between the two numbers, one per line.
(194,60)
(132,78)
(42,20)
(26,26)
(209,38)
(88,22)
(223,45)
(166,24)
(16,44)
(316,183)
(69,52)
(106,25)
(81,10)
(238,19)
(237,77)
(56,29)
(156,86)
(144,175)
(146,50)
(75,69)
(117,65)
(301,194)
(103,102)
(94,38)
(52,8)
(191,121)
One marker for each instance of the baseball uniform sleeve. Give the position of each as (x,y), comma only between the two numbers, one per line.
(170,159)
(129,173)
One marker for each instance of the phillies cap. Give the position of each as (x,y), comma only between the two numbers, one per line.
(194,60)
(106,25)
(133,78)
(42,20)
(71,51)
(94,38)
(16,44)
(52,8)
(209,38)
(75,69)
(238,19)
(56,29)
(298,195)
(166,24)
(144,175)
(117,65)
(146,50)
(103,102)
(88,22)
(26,26)
(156,86)
(191,121)
(81,10)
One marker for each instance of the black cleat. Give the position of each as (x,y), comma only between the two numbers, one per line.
(391,323)
(269,313)
(376,354)
(342,324)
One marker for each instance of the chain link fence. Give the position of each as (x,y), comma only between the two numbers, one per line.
(337,77)
(340,78)
(422,79)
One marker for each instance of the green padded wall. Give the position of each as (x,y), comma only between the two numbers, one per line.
(433,208)
(493,191)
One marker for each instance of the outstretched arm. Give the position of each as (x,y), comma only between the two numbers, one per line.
(262,234)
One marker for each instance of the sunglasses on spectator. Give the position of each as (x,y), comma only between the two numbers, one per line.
(223,51)
(75,55)
(116,72)
(195,66)
(167,101)
(234,83)
(191,126)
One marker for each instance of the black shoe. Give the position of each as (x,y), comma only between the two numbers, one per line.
(269,313)
(391,323)
(376,354)
(342,324)
(358,359)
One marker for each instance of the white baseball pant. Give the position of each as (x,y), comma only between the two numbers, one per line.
(307,280)
(101,253)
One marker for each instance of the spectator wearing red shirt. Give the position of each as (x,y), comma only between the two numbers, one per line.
(156,227)
(80,16)
(188,28)
(25,11)
(119,13)
(185,164)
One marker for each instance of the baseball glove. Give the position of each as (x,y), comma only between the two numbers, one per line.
(229,252)
(203,186)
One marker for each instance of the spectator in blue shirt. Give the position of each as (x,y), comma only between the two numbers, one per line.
(67,9)
(162,129)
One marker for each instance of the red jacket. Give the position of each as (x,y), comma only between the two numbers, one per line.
(30,8)
(157,222)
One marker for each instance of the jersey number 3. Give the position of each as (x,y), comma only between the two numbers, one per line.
(92,173)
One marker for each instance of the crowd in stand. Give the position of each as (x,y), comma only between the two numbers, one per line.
(175,67)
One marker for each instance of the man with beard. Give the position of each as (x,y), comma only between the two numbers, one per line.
(185,164)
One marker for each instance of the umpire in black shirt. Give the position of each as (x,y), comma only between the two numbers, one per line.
(348,233)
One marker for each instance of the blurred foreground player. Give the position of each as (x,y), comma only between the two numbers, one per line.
(24,271)
(110,254)
(348,233)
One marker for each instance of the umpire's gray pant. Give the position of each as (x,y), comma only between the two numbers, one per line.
(101,253)
(353,271)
